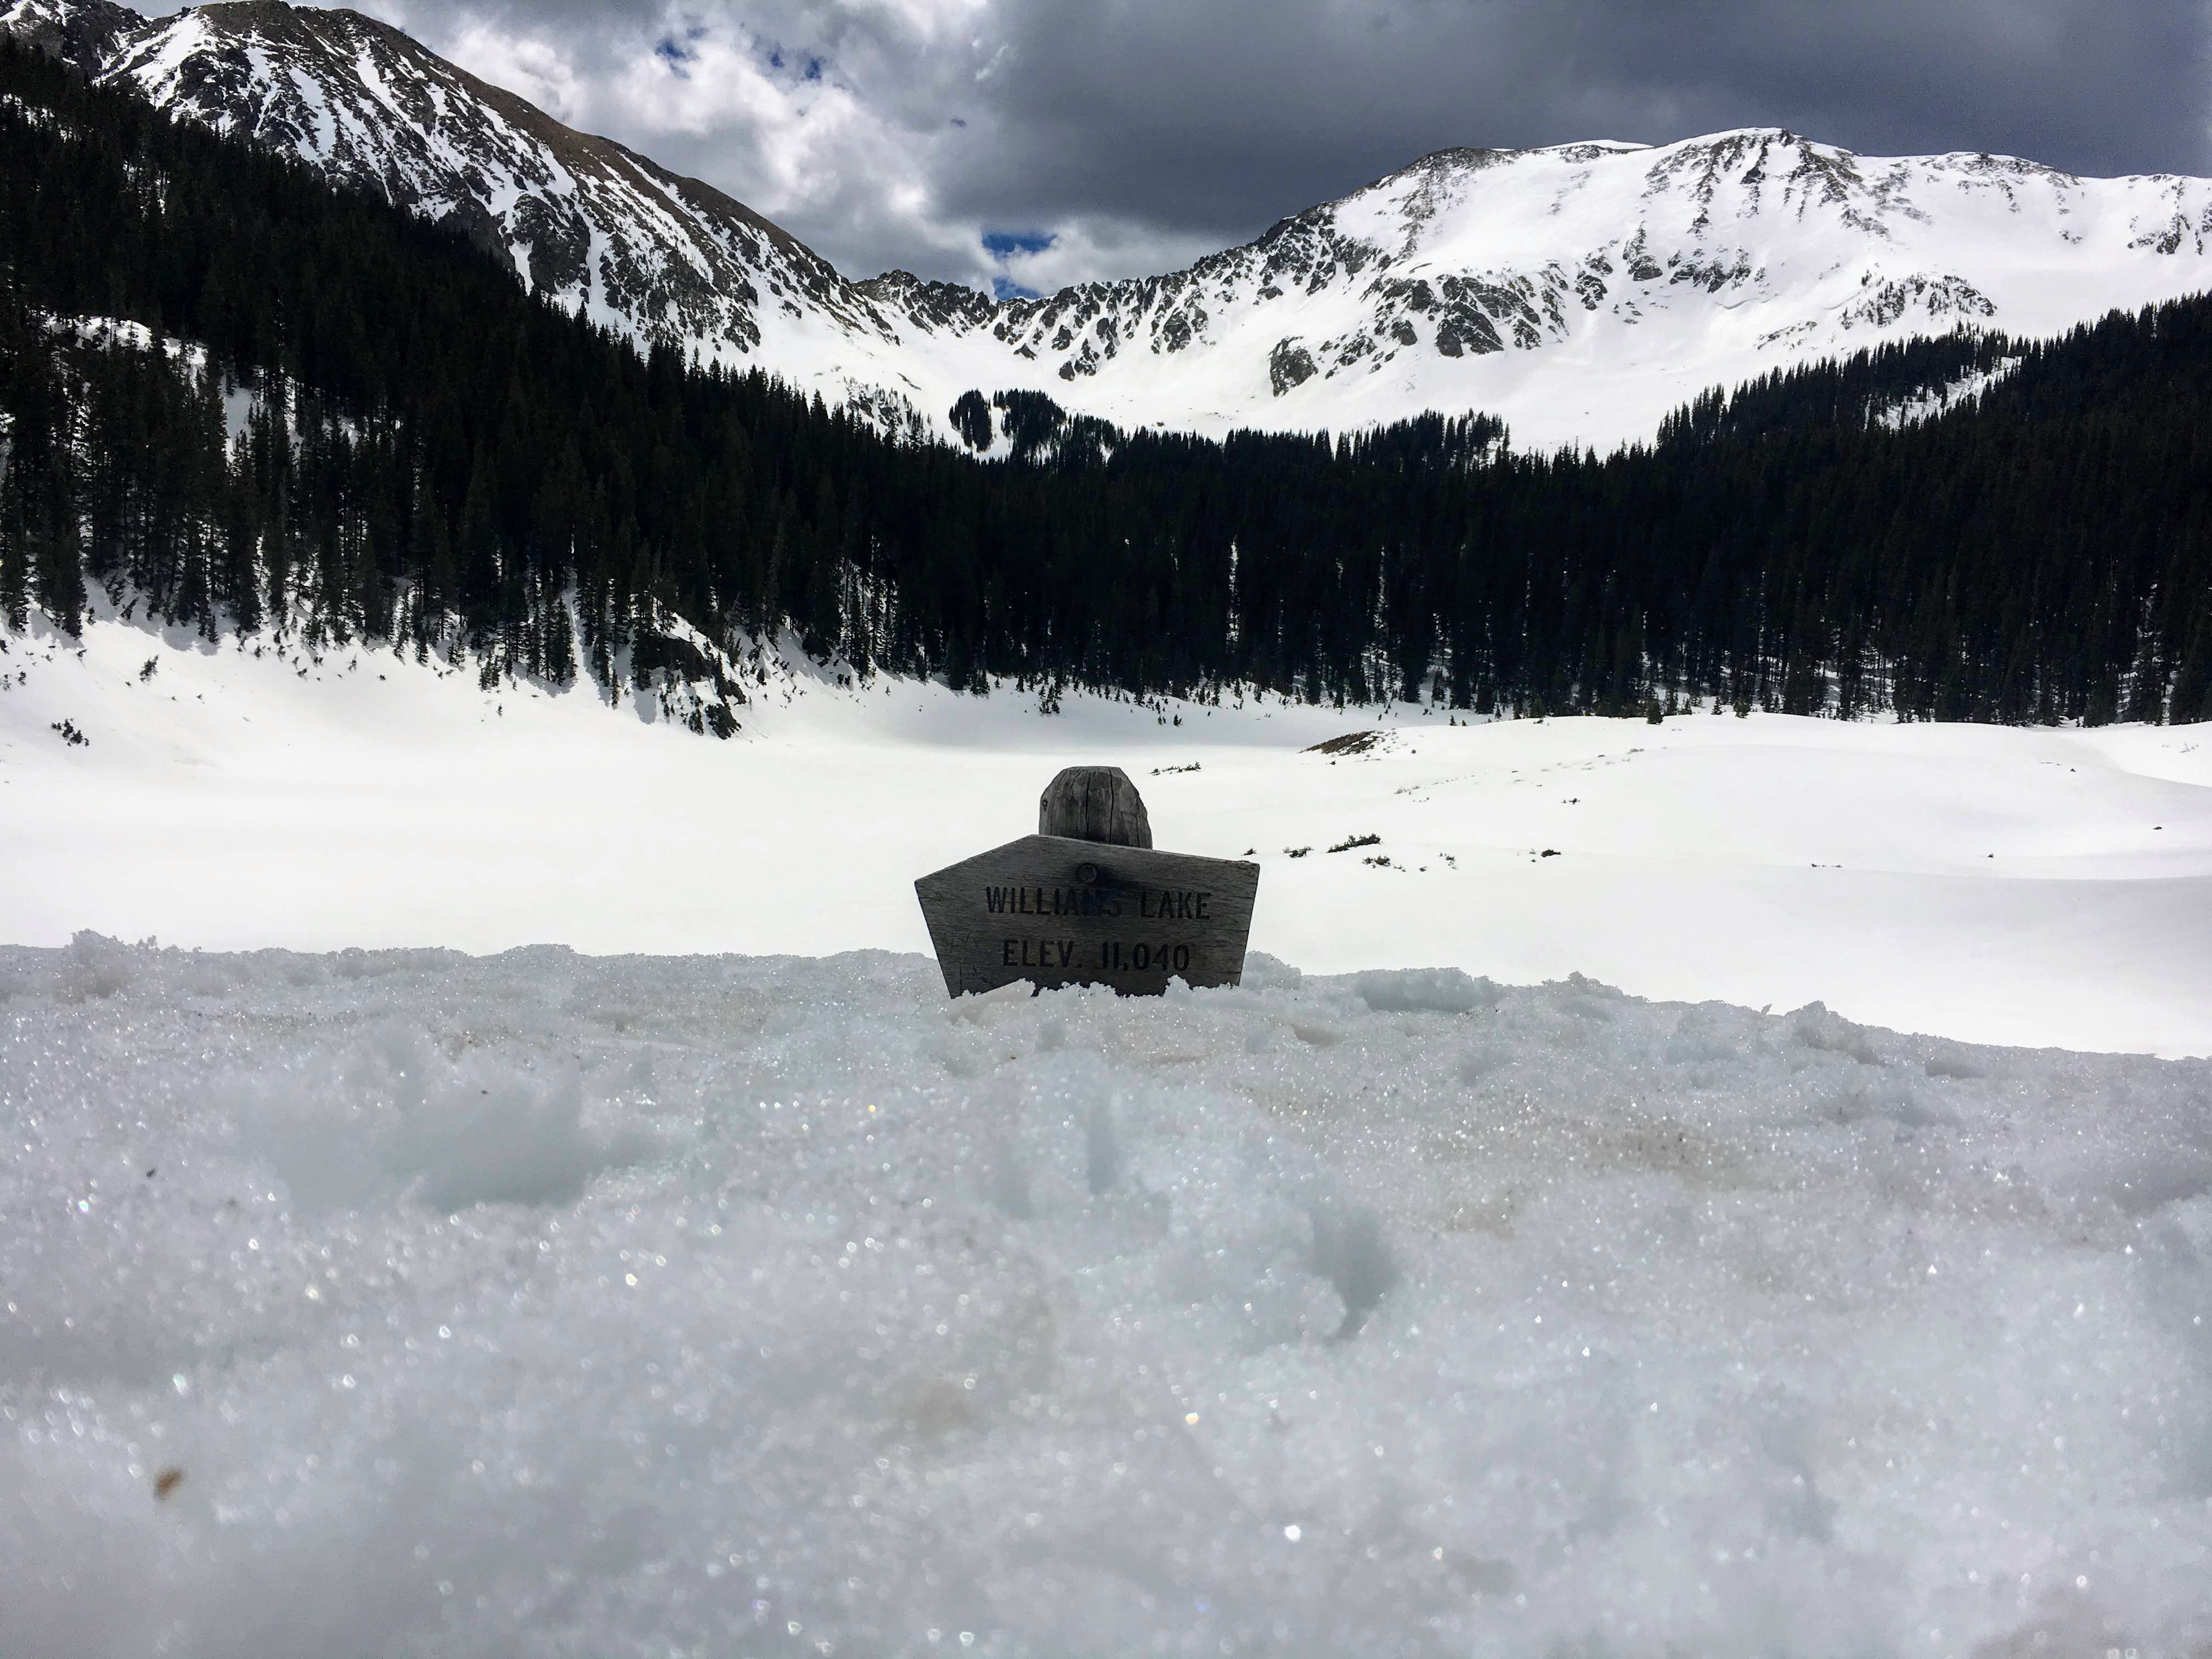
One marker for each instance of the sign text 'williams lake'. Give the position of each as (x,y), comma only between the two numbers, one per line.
(1054,910)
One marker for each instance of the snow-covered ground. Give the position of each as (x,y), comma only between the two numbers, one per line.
(397,1300)
(2021,886)
(406,1302)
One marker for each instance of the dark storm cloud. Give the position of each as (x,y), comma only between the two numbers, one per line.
(1209,115)
(1134,129)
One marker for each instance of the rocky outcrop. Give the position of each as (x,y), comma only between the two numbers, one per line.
(83,33)
(1290,365)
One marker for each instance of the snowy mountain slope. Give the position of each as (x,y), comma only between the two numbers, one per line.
(1581,291)
(1986,882)
(665,258)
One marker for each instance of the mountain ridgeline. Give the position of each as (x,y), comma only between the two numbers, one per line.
(339,419)
(1578,290)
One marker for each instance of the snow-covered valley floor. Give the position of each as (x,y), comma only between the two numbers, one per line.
(2001,885)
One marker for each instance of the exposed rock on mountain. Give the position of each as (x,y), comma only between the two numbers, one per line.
(83,33)
(1581,290)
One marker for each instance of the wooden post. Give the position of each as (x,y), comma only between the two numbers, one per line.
(1094,803)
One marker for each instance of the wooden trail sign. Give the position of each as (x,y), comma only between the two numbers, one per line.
(1060,908)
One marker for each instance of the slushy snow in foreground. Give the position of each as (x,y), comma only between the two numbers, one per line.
(546,1305)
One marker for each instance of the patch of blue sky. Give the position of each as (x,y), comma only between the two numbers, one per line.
(1004,243)
(805,63)
(679,54)
(1006,287)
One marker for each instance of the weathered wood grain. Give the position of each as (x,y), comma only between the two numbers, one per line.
(1095,803)
(1055,910)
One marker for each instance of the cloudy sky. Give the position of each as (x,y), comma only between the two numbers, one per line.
(1041,142)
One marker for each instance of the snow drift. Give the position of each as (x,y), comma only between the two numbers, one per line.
(406,1302)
